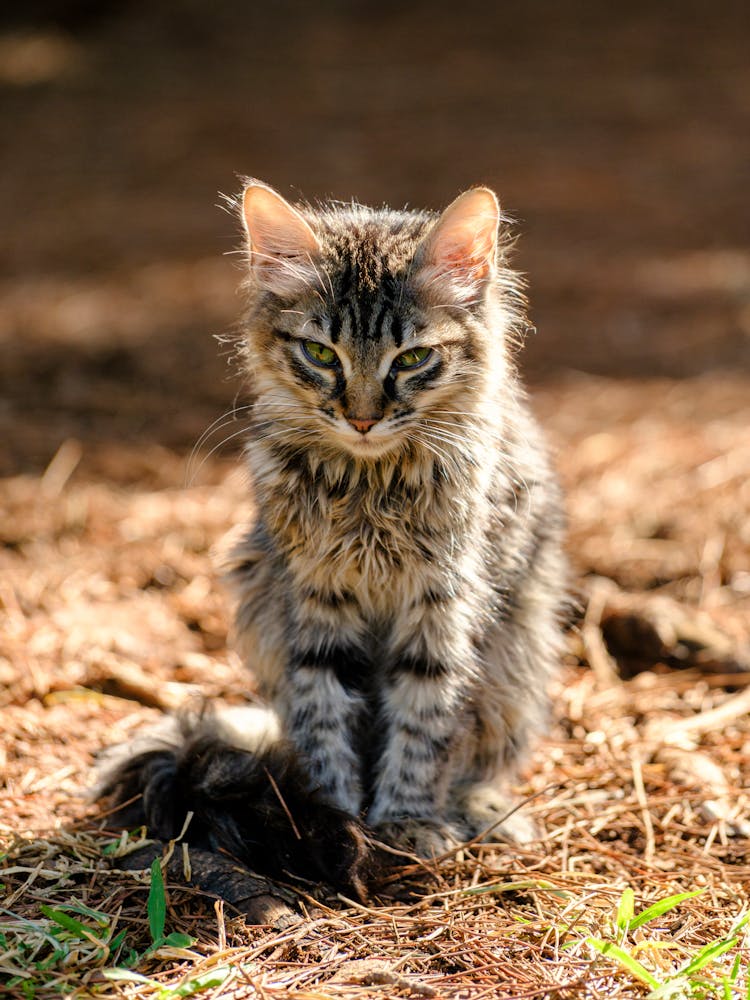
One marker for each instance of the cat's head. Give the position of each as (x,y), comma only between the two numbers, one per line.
(370,328)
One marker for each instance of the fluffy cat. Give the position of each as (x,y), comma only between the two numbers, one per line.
(399,593)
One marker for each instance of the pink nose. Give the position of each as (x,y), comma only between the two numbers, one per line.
(362,426)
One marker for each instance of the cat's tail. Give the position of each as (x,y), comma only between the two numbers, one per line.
(248,793)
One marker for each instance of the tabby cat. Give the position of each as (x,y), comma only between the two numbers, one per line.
(399,593)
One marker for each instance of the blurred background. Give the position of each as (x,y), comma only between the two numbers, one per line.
(617,135)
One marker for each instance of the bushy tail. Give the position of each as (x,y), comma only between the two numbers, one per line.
(255,806)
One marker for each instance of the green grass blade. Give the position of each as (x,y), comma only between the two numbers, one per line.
(58,955)
(69,923)
(735,970)
(178,940)
(103,919)
(610,950)
(742,919)
(625,910)
(706,955)
(526,884)
(117,975)
(203,981)
(661,907)
(677,989)
(117,941)
(157,902)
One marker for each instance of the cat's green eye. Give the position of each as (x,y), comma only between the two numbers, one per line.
(413,358)
(319,354)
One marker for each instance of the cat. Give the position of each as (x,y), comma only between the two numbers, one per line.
(399,595)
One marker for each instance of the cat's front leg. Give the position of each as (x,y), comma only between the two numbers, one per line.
(304,648)
(423,707)
(322,715)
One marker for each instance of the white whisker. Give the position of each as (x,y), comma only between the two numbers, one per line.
(213,428)
(226,440)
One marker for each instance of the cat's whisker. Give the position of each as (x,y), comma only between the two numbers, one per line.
(428,441)
(454,413)
(297,271)
(449,432)
(461,468)
(460,433)
(282,402)
(227,418)
(281,409)
(515,479)
(267,424)
(468,308)
(325,272)
(268,428)
(464,419)
(445,461)
(226,440)
(459,447)
(439,278)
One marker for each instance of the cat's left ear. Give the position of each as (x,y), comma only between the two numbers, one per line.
(282,245)
(458,256)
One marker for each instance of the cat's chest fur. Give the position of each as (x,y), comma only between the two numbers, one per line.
(378,534)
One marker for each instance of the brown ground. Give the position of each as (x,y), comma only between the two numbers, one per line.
(621,140)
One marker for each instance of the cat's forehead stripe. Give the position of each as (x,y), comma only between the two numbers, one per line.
(397,331)
(335,327)
(366,260)
(365,297)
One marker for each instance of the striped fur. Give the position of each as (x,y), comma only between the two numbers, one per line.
(400,590)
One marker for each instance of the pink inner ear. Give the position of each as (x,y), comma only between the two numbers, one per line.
(281,242)
(274,226)
(474,263)
(462,246)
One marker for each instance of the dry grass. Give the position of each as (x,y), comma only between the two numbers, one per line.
(110,612)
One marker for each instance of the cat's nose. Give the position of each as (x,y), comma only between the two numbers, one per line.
(362,426)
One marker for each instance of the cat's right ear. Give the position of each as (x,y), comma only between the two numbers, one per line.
(281,245)
(458,259)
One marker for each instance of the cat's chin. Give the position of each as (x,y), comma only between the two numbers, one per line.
(364,446)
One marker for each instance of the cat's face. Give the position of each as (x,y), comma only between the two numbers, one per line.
(368,327)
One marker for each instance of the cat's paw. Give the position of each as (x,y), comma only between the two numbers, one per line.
(485,812)
(353,864)
(424,837)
